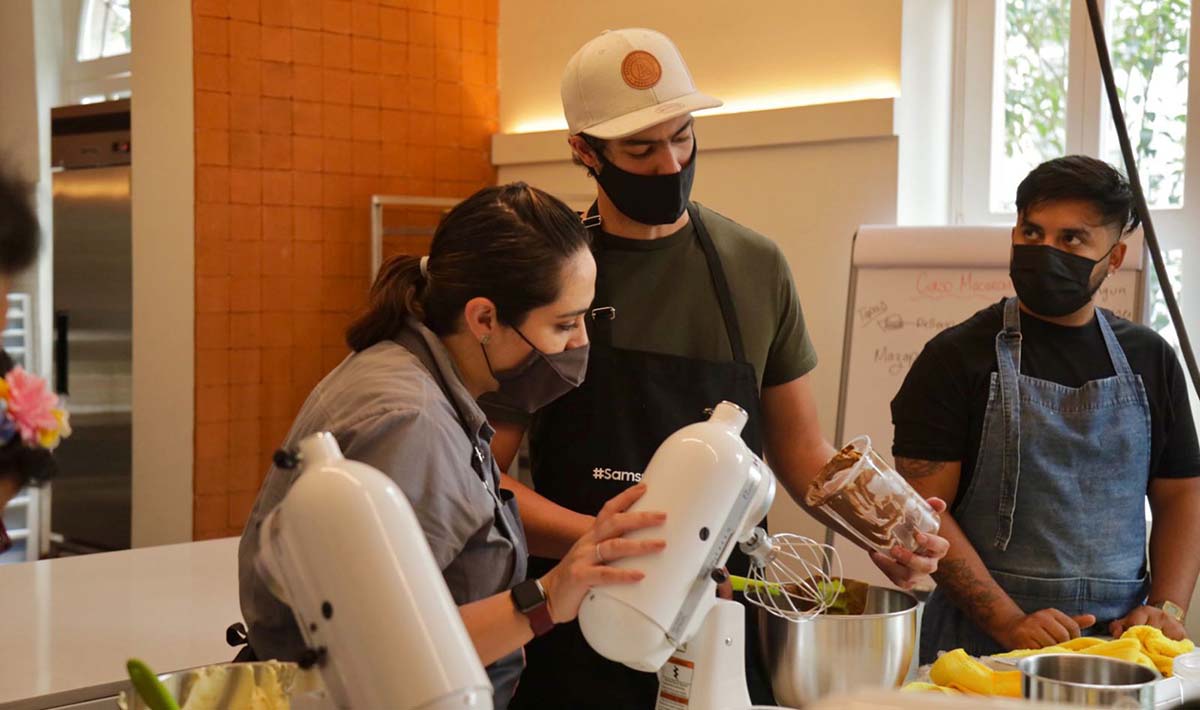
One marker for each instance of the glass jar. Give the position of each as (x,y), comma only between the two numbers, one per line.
(863,492)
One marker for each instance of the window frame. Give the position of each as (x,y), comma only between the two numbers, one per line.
(91,5)
(106,76)
(978,86)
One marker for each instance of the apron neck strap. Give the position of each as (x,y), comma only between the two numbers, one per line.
(1008,368)
(599,323)
(1115,352)
(1008,341)
(733,329)
(1012,316)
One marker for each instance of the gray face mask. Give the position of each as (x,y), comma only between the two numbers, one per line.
(539,379)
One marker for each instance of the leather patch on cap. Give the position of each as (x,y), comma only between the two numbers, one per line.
(640,69)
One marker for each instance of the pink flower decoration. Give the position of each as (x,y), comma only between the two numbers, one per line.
(30,405)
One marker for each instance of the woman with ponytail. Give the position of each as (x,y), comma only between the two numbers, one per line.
(496,308)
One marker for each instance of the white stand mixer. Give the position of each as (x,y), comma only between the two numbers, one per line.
(714,489)
(345,551)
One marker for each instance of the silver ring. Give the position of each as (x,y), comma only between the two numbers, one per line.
(599,557)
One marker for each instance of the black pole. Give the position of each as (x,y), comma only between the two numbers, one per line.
(62,325)
(1160,267)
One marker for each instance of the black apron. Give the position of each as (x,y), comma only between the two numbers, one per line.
(595,442)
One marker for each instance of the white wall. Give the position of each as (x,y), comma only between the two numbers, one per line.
(766,54)
(163,272)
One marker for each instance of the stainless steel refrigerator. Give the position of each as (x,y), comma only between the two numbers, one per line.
(93,303)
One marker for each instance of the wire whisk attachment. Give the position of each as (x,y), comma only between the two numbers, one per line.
(791,576)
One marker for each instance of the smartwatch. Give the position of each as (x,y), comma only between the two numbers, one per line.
(530,600)
(1172,609)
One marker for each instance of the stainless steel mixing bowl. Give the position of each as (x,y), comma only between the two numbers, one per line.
(1091,681)
(832,654)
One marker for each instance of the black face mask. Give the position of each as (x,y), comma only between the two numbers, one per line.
(1051,282)
(649,199)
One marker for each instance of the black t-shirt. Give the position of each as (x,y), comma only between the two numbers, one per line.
(938,412)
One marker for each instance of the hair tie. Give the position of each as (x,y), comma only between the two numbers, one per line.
(424,267)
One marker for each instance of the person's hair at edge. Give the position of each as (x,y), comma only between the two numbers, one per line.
(19,463)
(1079,177)
(505,243)
(19,232)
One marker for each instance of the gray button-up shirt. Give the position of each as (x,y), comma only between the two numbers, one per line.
(387,408)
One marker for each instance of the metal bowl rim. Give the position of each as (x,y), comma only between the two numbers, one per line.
(1023,663)
(227,664)
(845,618)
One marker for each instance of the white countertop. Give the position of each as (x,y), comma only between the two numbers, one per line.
(71,623)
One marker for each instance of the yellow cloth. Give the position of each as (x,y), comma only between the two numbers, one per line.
(1155,642)
(1026,652)
(1124,651)
(959,671)
(1121,649)
(1162,665)
(919,687)
(1081,643)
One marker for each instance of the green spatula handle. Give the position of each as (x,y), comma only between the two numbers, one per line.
(741,584)
(152,691)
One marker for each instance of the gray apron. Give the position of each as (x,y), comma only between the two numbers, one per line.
(1056,505)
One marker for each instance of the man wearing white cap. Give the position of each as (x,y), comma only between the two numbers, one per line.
(691,308)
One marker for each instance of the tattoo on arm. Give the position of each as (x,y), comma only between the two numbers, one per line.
(972,595)
(918,468)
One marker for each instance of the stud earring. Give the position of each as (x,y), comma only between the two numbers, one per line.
(485,339)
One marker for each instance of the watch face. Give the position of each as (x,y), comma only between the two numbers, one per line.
(527,595)
(1173,610)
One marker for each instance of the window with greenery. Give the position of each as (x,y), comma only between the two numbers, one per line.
(1030,89)
(1149,41)
(1038,76)
(104,29)
(1035,52)
(1159,316)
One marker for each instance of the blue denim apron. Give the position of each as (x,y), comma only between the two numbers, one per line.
(1055,507)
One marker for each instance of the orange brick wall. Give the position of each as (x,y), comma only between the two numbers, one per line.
(304,109)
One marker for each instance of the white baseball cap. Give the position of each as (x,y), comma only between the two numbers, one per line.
(625,81)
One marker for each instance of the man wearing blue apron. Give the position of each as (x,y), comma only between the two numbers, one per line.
(691,308)
(1047,421)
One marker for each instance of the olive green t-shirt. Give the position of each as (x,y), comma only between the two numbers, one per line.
(666,303)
